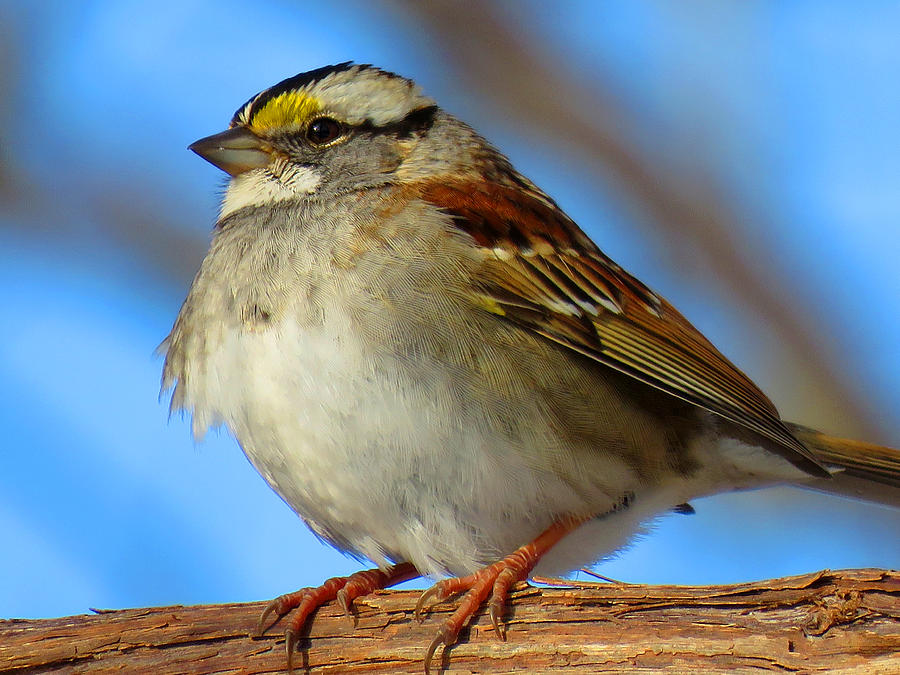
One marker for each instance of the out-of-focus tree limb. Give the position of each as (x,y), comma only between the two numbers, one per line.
(829,621)
(489,48)
(497,58)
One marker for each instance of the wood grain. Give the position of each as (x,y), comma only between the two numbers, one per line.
(838,622)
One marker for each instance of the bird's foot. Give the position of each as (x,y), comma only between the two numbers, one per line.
(495,580)
(344,589)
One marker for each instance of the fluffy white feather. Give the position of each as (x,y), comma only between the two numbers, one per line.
(267,186)
(353,450)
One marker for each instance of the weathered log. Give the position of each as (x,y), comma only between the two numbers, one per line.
(847,622)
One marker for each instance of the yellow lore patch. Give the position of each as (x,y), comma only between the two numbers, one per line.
(291,108)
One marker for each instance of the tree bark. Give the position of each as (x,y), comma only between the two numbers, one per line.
(839,622)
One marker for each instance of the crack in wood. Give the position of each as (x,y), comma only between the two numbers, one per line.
(808,623)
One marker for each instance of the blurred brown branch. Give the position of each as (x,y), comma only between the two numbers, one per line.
(497,58)
(847,621)
(492,51)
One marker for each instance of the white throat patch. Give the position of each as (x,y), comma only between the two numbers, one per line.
(265,186)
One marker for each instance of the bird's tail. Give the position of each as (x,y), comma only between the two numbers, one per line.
(860,470)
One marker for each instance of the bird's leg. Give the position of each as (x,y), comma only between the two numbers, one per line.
(495,580)
(345,589)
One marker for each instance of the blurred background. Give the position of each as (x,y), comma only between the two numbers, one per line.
(741,158)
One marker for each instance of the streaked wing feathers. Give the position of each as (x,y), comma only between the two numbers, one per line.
(544,273)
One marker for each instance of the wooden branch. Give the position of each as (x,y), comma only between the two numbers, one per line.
(847,622)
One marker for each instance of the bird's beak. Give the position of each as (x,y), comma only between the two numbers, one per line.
(234,151)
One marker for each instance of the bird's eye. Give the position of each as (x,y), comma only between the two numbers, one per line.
(323,130)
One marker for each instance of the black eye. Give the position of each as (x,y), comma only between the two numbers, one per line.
(323,130)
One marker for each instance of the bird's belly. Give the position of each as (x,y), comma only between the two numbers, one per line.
(389,461)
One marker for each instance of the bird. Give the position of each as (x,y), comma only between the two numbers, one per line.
(439,371)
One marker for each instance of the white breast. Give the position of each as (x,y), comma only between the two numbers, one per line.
(379,463)
(384,446)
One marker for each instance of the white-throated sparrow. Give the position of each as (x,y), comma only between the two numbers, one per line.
(437,369)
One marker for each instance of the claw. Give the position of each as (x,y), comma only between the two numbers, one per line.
(443,637)
(346,604)
(261,624)
(290,644)
(497,604)
(280,606)
(343,589)
(496,611)
(425,597)
(494,580)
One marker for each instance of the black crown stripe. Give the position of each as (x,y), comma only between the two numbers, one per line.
(298,81)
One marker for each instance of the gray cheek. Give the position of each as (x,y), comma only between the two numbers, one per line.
(361,161)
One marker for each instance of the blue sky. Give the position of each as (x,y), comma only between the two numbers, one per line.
(790,109)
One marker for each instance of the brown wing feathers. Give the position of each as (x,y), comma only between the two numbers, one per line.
(546,274)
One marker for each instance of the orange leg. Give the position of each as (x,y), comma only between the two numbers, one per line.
(344,589)
(495,579)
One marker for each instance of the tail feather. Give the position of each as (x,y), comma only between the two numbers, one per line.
(861,470)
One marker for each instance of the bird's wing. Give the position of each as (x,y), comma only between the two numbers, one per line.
(543,273)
